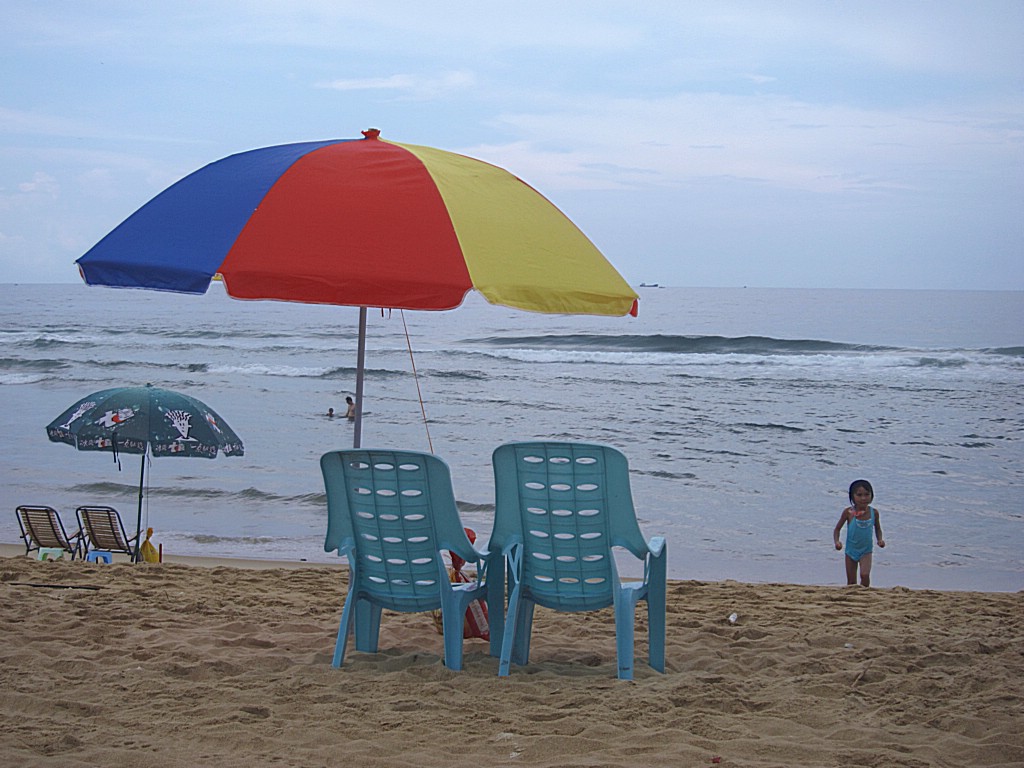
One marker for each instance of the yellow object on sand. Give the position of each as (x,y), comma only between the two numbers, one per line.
(149,553)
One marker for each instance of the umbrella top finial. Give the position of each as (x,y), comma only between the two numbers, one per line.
(371,133)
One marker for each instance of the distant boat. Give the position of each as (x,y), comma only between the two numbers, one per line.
(649,285)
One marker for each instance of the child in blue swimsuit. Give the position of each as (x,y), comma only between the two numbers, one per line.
(861,520)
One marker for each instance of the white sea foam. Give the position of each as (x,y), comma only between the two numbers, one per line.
(16,379)
(260,369)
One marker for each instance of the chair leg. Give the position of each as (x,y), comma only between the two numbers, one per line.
(452,617)
(656,634)
(521,644)
(512,626)
(496,605)
(367,626)
(343,632)
(657,597)
(625,649)
(515,645)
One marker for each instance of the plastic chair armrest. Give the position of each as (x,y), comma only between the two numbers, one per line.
(656,546)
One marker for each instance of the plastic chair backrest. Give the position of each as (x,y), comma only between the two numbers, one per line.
(390,513)
(567,505)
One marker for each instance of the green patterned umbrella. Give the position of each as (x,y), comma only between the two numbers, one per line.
(141,419)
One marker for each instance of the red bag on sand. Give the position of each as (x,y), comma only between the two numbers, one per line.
(475,624)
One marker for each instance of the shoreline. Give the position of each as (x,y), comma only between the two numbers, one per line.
(253,563)
(198,561)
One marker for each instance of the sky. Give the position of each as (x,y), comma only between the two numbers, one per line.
(817,144)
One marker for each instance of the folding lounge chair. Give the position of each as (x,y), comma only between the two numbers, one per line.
(560,508)
(103,530)
(42,528)
(391,513)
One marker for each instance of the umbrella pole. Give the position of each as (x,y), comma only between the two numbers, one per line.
(357,431)
(138,523)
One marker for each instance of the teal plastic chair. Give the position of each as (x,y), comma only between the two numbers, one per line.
(391,513)
(560,509)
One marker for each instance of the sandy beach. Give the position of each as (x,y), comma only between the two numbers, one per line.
(197,663)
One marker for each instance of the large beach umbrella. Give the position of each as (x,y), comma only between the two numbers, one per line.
(365,223)
(141,419)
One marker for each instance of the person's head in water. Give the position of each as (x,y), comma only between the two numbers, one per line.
(859,485)
(330,413)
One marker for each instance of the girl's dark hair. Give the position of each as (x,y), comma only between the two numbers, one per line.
(861,484)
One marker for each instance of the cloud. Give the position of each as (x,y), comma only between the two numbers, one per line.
(646,143)
(413,86)
(41,183)
(14,121)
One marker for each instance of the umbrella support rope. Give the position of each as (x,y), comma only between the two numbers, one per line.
(416,378)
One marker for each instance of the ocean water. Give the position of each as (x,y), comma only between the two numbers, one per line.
(744,413)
